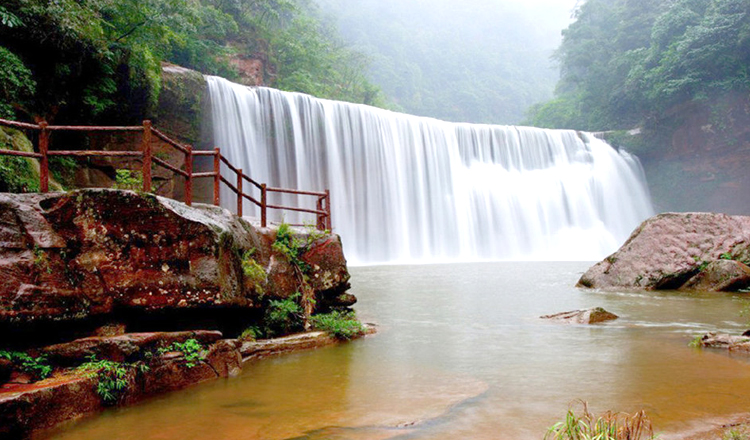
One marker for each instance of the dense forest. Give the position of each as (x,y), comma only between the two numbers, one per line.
(670,81)
(94,61)
(481,61)
(626,62)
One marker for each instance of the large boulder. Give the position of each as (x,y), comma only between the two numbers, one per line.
(109,255)
(667,251)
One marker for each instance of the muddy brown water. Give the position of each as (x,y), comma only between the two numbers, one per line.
(461,354)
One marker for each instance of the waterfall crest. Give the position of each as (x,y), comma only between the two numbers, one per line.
(415,189)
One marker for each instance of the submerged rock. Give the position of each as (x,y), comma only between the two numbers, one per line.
(587,316)
(724,341)
(667,251)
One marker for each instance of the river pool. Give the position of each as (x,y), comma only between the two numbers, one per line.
(462,354)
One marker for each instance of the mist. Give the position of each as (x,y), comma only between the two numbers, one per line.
(480,61)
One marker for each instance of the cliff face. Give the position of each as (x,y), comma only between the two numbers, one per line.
(697,156)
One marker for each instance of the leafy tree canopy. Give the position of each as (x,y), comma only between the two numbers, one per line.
(100,60)
(626,62)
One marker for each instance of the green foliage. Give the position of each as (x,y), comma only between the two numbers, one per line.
(608,426)
(112,377)
(734,434)
(17,86)
(127,179)
(63,170)
(254,271)
(251,333)
(99,61)
(283,316)
(191,349)
(37,367)
(290,246)
(625,62)
(340,324)
(726,256)
(696,342)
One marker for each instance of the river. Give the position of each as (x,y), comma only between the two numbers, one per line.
(462,354)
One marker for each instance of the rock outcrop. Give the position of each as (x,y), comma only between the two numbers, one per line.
(586,316)
(93,257)
(109,282)
(690,251)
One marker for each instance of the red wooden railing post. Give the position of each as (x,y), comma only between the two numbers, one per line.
(44,161)
(189,180)
(321,218)
(239,192)
(263,204)
(329,223)
(217,176)
(146,149)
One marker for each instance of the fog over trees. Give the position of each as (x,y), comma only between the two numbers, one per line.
(483,61)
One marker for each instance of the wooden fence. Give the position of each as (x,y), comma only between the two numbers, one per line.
(148,159)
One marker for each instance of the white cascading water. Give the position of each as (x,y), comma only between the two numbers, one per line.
(414,189)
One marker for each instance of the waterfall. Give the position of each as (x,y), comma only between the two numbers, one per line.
(415,189)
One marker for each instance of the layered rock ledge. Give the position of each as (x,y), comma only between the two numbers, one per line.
(685,251)
(93,281)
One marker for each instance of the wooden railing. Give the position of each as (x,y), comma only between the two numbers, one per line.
(148,159)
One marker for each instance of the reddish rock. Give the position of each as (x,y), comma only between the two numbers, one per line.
(35,407)
(587,316)
(122,348)
(669,249)
(99,253)
(721,276)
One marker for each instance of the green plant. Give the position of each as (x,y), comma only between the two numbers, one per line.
(291,247)
(41,260)
(112,377)
(36,366)
(63,170)
(608,426)
(283,316)
(726,256)
(696,342)
(127,179)
(734,434)
(340,324)
(191,349)
(251,333)
(254,271)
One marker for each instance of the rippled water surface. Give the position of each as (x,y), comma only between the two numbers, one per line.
(461,354)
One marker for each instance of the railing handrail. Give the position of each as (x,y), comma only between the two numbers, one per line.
(323,205)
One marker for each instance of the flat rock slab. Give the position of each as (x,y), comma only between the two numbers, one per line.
(725,341)
(586,316)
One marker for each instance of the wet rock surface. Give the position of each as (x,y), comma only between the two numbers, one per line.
(586,316)
(673,250)
(107,255)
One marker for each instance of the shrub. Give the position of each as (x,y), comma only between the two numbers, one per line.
(254,271)
(283,316)
(608,426)
(340,324)
(113,378)
(127,179)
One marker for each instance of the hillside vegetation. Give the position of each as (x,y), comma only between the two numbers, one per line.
(97,61)
(626,62)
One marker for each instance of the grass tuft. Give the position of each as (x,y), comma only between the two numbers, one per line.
(608,426)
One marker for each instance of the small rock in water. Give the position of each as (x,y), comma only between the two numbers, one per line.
(586,316)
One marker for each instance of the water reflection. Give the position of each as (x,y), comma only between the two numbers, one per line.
(462,354)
